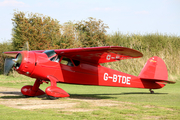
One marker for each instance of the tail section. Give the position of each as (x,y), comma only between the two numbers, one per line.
(155,69)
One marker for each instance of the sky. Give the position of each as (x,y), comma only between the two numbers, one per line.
(125,16)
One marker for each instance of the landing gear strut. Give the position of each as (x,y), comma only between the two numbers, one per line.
(53,91)
(31,91)
(151,91)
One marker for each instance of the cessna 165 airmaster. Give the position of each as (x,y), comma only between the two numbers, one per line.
(82,66)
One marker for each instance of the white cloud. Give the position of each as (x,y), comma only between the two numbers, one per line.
(12,3)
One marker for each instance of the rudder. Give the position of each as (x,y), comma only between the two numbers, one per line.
(154,69)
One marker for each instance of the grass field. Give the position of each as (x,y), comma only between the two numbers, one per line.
(89,102)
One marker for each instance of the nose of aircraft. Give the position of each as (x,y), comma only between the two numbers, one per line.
(23,63)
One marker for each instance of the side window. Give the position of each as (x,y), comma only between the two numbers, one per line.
(76,62)
(69,62)
(66,61)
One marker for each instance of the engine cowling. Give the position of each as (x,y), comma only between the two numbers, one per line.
(25,62)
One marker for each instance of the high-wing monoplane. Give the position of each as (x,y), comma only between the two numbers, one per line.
(82,66)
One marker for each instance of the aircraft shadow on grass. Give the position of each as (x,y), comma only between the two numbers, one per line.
(15,95)
(18,95)
(106,95)
(11,95)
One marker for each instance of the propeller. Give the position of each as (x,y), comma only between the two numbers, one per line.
(10,62)
(8,65)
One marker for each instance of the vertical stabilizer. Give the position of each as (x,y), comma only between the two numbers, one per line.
(155,68)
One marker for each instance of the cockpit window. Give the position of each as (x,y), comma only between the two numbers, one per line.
(49,53)
(67,61)
(56,58)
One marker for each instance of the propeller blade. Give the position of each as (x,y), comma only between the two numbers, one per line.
(8,65)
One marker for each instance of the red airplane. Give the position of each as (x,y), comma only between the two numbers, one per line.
(82,66)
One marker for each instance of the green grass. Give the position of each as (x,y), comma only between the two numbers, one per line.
(8,113)
(131,103)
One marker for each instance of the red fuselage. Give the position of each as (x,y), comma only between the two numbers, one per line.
(39,66)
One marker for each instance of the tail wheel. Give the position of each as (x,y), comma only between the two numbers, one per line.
(151,91)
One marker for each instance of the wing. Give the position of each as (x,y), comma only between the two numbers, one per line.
(94,55)
(98,55)
(11,53)
(14,53)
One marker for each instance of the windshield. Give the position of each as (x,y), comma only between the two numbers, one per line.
(49,53)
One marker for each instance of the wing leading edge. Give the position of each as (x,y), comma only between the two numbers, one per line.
(14,53)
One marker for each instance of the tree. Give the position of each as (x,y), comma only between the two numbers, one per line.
(69,36)
(91,32)
(40,31)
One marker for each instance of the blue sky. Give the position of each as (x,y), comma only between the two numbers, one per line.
(125,16)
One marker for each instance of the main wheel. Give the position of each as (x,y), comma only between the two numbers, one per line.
(51,97)
(26,96)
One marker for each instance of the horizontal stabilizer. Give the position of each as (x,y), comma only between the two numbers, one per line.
(155,70)
(166,81)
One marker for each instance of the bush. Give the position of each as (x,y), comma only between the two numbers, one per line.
(7,46)
(43,32)
(164,46)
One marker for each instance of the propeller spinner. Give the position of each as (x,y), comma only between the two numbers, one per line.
(23,63)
